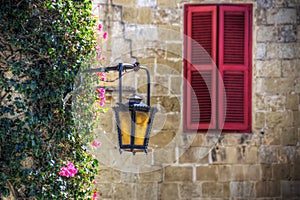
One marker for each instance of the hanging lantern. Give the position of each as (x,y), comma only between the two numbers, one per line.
(134,118)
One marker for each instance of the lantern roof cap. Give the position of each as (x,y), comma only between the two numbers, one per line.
(135,97)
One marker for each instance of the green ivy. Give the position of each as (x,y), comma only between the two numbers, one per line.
(43,45)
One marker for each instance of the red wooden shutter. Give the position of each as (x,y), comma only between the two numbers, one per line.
(200,70)
(235,68)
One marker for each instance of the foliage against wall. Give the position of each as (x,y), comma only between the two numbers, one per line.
(43,45)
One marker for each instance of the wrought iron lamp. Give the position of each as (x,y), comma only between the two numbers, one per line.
(134,118)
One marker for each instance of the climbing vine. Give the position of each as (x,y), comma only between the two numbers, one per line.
(44,150)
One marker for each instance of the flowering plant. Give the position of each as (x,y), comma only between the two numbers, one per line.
(44,44)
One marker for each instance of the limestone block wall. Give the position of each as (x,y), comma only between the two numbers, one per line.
(262,165)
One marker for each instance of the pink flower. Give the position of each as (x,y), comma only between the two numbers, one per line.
(68,171)
(100,27)
(98,5)
(105,35)
(99,56)
(95,182)
(101,95)
(103,98)
(94,197)
(101,90)
(100,74)
(96,143)
(98,48)
(101,103)
(103,79)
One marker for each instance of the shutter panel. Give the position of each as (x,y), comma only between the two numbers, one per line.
(200,70)
(235,68)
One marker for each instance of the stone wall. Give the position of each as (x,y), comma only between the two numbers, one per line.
(262,165)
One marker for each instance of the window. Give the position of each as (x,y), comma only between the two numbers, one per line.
(217,67)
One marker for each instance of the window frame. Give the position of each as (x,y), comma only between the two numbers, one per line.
(217,57)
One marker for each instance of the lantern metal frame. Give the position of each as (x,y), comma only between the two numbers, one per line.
(131,108)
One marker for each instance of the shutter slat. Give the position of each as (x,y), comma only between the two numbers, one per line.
(234,32)
(202,95)
(202,35)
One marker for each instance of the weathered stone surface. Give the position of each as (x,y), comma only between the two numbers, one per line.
(169,191)
(289,136)
(270,68)
(198,140)
(124,191)
(261,51)
(108,175)
(273,50)
(120,47)
(290,68)
(169,67)
(189,190)
(282,16)
(289,154)
(297,85)
(172,122)
(144,16)
(260,120)
(296,117)
(266,172)
(268,154)
(166,155)
(278,119)
(228,155)
(124,2)
(169,33)
(242,189)
(259,100)
(167,16)
(267,189)
(275,103)
(162,139)
(167,3)
(176,85)
(277,85)
(290,189)
(146,3)
(173,173)
(264,4)
(138,33)
(266,34)
(261,16)
(174,50)
(287,33)
(154,175)
(147,191)
(252,172)
(271,136)
(215,189)
(105,190)
(169,103)
(281,172)
(292,102)
(129,177)
(161,86)
(194,155)
(289,50)
(204,173)
(250,154)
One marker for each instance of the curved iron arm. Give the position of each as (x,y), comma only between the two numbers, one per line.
(120,67)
